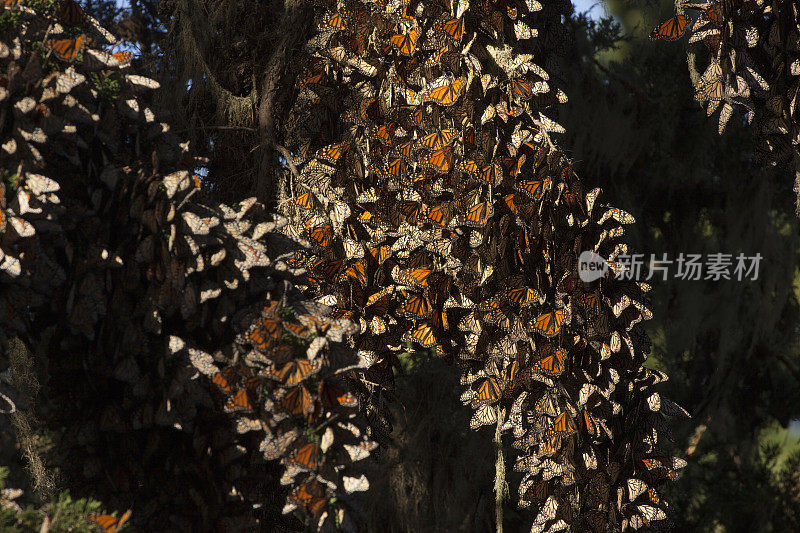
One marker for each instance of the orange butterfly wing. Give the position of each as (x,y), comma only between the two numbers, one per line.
(108,523)
(454,28)
(446,94)
(441,160)
(671,29)
(407,44)
(441,214)
(67,49)
(479,214)
(549,324)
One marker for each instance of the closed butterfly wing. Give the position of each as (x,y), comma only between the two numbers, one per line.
(479,214)
(70,13)
(549,324)
(441,160)
(485,415)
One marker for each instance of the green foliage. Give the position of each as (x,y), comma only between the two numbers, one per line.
(10,180)
(108,86)
(12,20)
(64,514)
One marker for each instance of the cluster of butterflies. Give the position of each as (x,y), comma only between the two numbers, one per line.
(751,49)
(248,372)
(47,115)
(446,218)
(292,390)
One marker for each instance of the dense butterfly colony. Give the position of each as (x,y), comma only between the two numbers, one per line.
(446,217)
(185,371)
(751,53)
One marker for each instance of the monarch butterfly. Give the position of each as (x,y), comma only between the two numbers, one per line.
(297,401)
(108,523)
(414,276)
(534,188)
(274,447)
(330,269)
(294,372)
(439,320)
(224,380)
(377,297)
(403,13)
(355,484)
(469,166)
(487,391)
(66,49)
(321,235)
(380,253)
(636,488)
(239,402)
(333,396)
(549,324)
(523,31)
(552,364)
(70,13)
(623,217)
(454,28)
(410,210)
(510,202)
(591,301)
(522,296)
(305,456)
(509,374)
(305,200)
(416,306)
(590,424)
(310,496)
(446,93)
(670,464)
(397,168)
(713,14)
(298,330)
(491,174)
(385,132)
(407,44)
(358,272)
(521,88)
(534,492)
(549,447)
(711,86)
(485,414)
(671,29)
(441,214)
(406,150)
(361,450)
(478,215)
(441,160)
(438,139)
(264,333)
(422,334)
(562,426)
(331,154)
(334,20)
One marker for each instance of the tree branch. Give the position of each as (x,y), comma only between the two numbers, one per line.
(295,20)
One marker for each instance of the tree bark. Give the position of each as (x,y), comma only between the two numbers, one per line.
(279,78)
